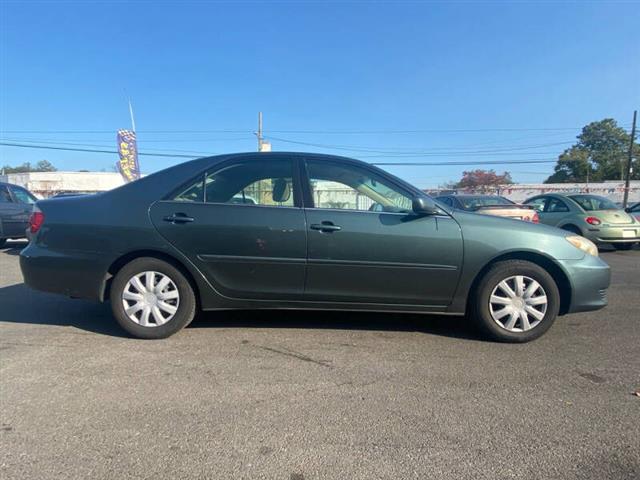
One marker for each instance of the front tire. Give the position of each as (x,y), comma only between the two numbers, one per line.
(152,299)
(515,301)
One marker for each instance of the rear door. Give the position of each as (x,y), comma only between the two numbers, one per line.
(242,224)
(365,244)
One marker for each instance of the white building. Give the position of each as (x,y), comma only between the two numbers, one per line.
(47,184)
(613,190)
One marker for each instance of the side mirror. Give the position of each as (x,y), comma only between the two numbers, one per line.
(424,206)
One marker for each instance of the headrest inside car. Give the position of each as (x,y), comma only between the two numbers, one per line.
(281,190)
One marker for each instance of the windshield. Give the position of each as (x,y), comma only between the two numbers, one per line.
(473,203)
(593,202)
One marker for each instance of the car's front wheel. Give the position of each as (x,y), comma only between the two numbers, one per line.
(515,301)
(152,299)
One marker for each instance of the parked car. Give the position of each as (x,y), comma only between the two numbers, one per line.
(171,243)
(490,205)
(591,216)
(16,204)
(634,210)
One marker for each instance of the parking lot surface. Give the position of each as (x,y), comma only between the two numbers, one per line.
(314,395)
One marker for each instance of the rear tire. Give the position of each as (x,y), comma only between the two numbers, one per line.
(152,299)
(536,298)
(622,246)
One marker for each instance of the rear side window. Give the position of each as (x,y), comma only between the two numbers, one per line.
(22,196)
(538,203)
(268,182)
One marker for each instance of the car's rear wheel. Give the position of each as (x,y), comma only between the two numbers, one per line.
(152,299)
(515,301)
(622,246)
(572,229)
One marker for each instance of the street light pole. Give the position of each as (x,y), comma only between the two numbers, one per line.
(628,176)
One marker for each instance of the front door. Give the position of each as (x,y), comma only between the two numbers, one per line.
(242,225)
(366,245)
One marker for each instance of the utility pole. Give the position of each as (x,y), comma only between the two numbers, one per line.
(259,133)
(262,145)
(628,177)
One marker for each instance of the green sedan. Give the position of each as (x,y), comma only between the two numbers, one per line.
(591,216)
(320,232)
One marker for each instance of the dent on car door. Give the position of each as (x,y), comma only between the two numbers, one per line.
(241,225)
(383,255)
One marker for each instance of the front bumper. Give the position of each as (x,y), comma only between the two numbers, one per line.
(74,274)
(589,278)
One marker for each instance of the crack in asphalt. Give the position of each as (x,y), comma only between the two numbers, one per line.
(299,356)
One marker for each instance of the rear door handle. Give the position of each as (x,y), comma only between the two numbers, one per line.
(325,227)
(178,218)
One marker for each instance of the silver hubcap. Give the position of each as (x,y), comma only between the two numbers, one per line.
(150,299)
(518,303)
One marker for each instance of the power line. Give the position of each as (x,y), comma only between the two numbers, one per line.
(68,149)
(170,155)
(426,152)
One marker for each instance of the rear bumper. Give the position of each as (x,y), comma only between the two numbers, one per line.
(589,278)
(78,275)
(623,234)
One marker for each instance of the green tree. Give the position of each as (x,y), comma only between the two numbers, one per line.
(41,166)
(600,154)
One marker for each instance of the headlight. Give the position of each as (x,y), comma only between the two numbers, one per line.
(583,244)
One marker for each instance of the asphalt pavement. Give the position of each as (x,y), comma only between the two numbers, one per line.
(296,395)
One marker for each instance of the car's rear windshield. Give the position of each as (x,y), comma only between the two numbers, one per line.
(473,203)
(594,202)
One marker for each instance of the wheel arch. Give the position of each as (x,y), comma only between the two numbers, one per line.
(556,272)
(123,260)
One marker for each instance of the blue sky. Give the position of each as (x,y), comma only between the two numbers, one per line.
(374,81)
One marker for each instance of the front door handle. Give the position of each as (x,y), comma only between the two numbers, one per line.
(178,218)
(325,227)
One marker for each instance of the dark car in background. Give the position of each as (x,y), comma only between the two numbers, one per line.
(634,210)
(16,204)
(162,247)
(490,205)
(592,216)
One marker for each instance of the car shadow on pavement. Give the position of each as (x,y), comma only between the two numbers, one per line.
(20,304)
(441,325)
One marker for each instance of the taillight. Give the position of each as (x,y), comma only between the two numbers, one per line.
(535,218)
(35,221)
(593,220)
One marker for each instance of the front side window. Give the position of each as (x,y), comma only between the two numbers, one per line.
(556,206)
(349,187)
(268,182)
(22,196)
